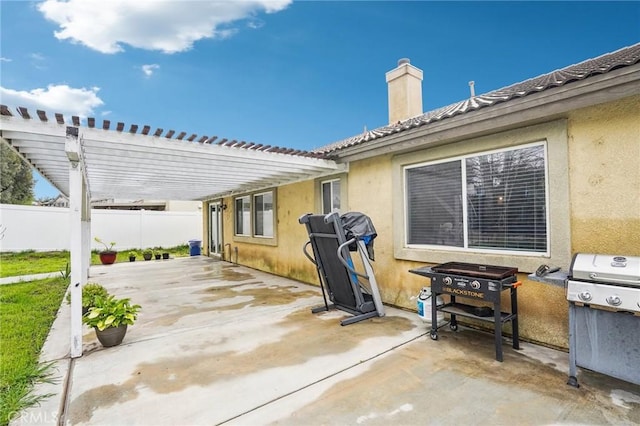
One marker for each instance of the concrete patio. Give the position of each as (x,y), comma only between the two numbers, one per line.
(218,343)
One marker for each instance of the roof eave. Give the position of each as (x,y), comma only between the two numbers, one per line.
(546,105)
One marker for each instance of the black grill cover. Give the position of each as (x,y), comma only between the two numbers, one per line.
(360,226)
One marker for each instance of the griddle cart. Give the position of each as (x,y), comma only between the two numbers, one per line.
(478,282)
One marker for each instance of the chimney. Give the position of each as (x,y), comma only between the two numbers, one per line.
(405,91)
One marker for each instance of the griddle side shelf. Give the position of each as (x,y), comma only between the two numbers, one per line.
(464,310)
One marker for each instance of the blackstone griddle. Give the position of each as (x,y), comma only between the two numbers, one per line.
(478,282)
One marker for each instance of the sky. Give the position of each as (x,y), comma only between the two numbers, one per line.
(296,74)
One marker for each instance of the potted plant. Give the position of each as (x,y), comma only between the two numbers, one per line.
(147,254)
(90,292)
(108,255)
(110,318)
(157,255)
(132,256)
(165,255)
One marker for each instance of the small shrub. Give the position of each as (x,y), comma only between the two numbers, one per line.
(111,312)
(91,292)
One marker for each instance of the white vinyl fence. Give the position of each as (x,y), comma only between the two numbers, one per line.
(47,228)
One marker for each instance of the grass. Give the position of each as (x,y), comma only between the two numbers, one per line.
(32,262)
(27,312)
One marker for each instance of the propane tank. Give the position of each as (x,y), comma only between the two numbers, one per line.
(424,305)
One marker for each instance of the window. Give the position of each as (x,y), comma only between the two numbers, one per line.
(330,196)
(263,214)
(495,201)
(243,216)
(255,218)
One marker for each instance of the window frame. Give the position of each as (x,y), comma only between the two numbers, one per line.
(235,216)
(331,183)
(461,159)
(254,214)
(251,237)
(344,200)
(556,134)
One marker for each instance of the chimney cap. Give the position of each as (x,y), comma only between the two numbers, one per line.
(403,61)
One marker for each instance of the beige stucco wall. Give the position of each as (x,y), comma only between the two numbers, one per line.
(601,155)
(604,150)
(542,308)
(286,258)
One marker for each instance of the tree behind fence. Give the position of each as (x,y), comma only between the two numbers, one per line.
(47,228)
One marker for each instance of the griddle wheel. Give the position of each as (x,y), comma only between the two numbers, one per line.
(434,335)
(453,327)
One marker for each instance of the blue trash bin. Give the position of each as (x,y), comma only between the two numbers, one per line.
(194,247)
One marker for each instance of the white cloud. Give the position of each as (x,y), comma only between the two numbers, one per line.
(58,98)
(38,61)
(167,26)
(255,24)
(149,69)
(3,59)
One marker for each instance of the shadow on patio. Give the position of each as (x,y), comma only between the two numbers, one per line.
(218,343)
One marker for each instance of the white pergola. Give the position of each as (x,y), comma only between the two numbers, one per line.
(89,163)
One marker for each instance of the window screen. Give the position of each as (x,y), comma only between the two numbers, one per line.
(263,215)
(498,198)
(243,216)
(330,196)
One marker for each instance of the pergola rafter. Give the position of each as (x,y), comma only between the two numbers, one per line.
(123,163)
(92,163)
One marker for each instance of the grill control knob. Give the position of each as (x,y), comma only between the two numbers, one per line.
(475,285)
(447,280)
(614,300)
(585,296)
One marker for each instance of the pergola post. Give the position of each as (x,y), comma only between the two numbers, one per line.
(78,213)
(86,231)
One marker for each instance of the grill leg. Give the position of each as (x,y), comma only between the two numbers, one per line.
(573,378)
(497,317)
(514,321)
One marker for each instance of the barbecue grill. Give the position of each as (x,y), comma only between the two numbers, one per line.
(604,316)
(474,281)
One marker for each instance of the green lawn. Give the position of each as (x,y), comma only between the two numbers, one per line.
(27,311)
(31,262)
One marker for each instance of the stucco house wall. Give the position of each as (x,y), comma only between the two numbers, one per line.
(282,255)
(593,166)
(604,148)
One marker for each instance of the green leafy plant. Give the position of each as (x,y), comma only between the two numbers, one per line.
(107,248)
(133,253)
(91,292)
(148,252)
(111,312)
(66,273)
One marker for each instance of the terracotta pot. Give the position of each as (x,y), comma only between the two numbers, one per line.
(111,336)
(108,257)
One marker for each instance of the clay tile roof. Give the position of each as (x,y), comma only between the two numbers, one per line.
(601,65)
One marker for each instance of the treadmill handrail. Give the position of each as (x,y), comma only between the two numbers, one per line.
(304,250)
(344,261)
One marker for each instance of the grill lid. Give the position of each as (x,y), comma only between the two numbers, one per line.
(605,268)
(475,270)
